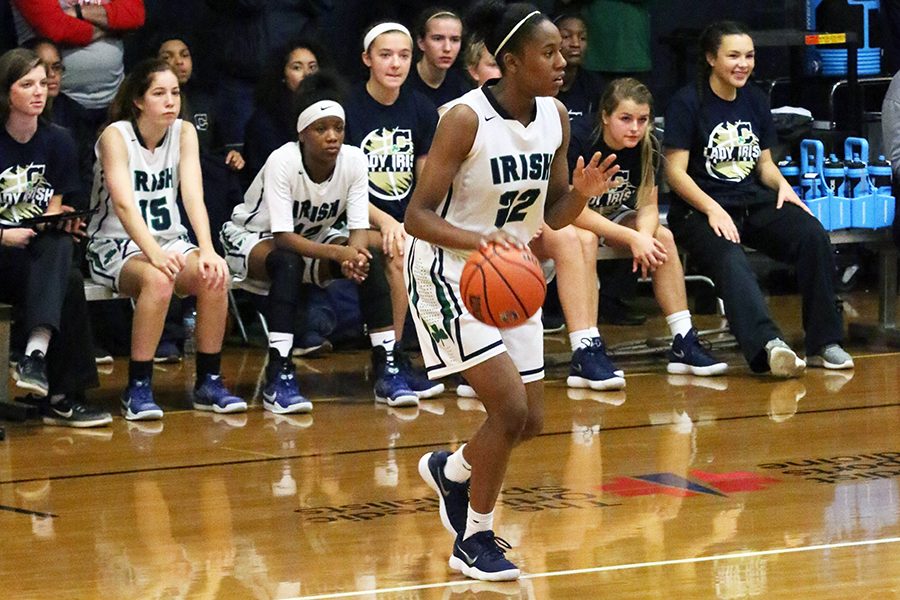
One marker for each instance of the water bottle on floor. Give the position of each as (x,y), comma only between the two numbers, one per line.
(190,325)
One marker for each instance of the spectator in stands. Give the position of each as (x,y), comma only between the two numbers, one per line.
(272,123)
(581,89)
(480,63)
(138,245)
(248,35)
(90,34)
(730,192)
(439,38)
(394,126)
(37,177)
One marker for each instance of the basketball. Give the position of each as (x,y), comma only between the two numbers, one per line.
(502,287)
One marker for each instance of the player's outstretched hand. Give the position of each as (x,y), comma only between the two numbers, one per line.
(596,177)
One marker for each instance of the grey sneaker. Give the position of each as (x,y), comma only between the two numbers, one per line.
(831,356)
(783,362)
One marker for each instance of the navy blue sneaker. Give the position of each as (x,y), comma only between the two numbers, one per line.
(418,381)
(31,373)
(482,556)
(212,395)
(166,352)
(454,496)
(281,394)
(391,387)
(591,368)
(688,357)
(138,403)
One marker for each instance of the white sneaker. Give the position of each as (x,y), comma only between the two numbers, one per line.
(783,362)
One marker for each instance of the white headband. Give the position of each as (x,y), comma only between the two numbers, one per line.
(383,28)
(319,110)
(513,31)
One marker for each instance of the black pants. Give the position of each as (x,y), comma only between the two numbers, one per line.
(47,289)
(788,235)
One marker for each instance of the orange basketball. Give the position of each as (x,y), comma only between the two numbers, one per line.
(502,287)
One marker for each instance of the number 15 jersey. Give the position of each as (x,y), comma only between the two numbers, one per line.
(154,183)
(502,183)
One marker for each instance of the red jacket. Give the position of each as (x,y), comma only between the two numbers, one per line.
(48,20)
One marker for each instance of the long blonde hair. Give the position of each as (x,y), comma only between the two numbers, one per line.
(628,88)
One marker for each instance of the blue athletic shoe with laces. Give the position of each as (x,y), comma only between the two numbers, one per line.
(482,556)
(418,381)
(138,403)
(454,496)
(688,357)
(212,395)
(391,387)
(281,394)
(591,368)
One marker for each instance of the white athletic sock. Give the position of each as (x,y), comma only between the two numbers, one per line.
(476,522)
(282,342)
(680,322)
(581,338)
(39,340)
(594,332)
(457,469)
(386,339)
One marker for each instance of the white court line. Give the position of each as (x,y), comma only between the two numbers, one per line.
(625,567)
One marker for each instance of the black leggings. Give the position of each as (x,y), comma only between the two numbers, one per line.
(789,235)
(47,290)
(285,269)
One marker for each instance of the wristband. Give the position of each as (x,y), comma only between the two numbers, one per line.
(78,12)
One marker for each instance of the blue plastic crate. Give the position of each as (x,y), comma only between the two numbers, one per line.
(840,213)
(821,209)
(885,207)
(863,211)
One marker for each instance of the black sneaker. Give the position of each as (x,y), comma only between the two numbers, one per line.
(71,413)
(31,374)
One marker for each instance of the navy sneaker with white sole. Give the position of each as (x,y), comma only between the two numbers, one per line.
(688,357)
(483,556)
(453,496)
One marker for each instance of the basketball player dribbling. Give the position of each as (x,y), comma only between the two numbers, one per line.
(497,167)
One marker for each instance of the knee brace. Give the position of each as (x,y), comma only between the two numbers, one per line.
(285,269)
(375,294)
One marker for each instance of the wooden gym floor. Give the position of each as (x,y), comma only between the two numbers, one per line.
(678,487)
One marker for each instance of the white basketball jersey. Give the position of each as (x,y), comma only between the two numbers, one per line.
(154,183)
(502,183)
(282,197)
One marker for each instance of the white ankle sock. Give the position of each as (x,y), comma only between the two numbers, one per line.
(680,323)
(385,339)
(39,340)
(457,468)
(476,522)
(582,338)
(282,342)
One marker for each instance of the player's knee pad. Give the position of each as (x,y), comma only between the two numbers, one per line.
(285,269)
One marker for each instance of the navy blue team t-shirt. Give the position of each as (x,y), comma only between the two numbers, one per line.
(628,179)
(33,172)
(453,86)
(583,96)
(725,139)
(392,137)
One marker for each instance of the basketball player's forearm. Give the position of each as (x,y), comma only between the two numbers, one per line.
(426,225)
(647,221)
(304,247)
(565,209)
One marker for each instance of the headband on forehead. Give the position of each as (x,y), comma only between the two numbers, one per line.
(319,110)
(513,31)
(443,13)
(383,28)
